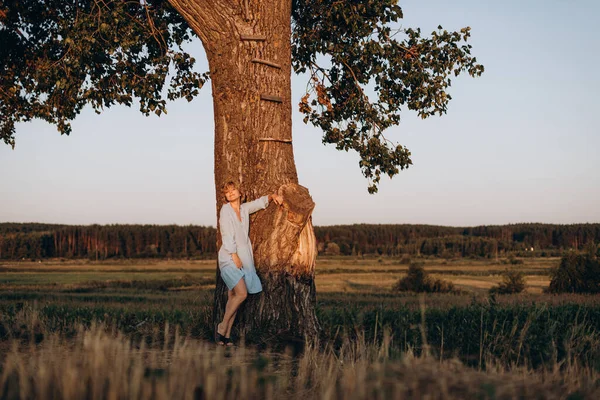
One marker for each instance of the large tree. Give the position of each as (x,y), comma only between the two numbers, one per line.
(57,56)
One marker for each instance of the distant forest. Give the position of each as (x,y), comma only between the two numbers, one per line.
(38,241)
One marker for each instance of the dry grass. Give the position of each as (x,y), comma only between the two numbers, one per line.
(379,275)
(360,282)
(155,360)
(357,282)
(101,363)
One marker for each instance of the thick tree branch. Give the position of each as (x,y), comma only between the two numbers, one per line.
(209,19)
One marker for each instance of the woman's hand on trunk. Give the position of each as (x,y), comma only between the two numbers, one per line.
(276,198)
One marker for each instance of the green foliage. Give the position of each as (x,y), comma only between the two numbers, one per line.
(592,249)
(513,281)
(58,56)
(417,280)
(442,241)
(577,273)
(33,240)
(349,47)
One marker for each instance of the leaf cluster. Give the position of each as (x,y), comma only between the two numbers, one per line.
(363,73)
(58,56)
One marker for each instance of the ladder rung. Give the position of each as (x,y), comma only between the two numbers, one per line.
(268,97)
(257,38)
(269,63)
(268,139)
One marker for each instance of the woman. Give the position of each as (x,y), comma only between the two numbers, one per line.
(236,260)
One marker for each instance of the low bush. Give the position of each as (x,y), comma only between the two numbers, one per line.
(577,273)
(405,260)
(512,260)
(513,281)
(417,280)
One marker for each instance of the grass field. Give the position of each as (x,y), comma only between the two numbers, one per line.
(155,315)
(332,275)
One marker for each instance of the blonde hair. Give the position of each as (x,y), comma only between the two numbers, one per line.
(229,185)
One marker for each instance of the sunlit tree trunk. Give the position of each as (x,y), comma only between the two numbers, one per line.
(247,43)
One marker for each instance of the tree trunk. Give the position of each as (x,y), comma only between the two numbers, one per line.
(247,43)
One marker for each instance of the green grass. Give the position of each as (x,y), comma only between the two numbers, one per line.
(533,335)
(71,278)
(526,329)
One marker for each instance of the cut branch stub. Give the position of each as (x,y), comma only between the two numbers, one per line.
(268,97)
(286,242)
(298,203)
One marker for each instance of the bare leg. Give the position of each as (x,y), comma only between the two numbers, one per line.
(239,294)
(230,325)
(228,333)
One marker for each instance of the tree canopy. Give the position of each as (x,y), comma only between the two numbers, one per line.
(56,57)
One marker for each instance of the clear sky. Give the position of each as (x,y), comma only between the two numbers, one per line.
(519,144)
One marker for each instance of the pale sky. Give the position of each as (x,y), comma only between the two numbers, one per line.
(519,144)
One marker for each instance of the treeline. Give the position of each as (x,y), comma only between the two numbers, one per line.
(481,241)
(37,241)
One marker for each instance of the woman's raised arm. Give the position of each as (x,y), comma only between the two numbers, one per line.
(259,204)
(262,202)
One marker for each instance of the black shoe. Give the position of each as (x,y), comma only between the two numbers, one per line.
(220,339)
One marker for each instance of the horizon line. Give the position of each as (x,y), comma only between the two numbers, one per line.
(316,226)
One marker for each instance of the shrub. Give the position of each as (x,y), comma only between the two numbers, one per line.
(512,260)
(332,249)
(405,260)
(417,280)
(513,281)
(577,273)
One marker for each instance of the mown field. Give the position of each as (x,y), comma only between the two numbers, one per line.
(341,274)
(153,320)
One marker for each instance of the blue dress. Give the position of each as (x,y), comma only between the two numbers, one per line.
(234,234)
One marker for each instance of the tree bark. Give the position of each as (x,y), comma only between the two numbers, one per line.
(247,43)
